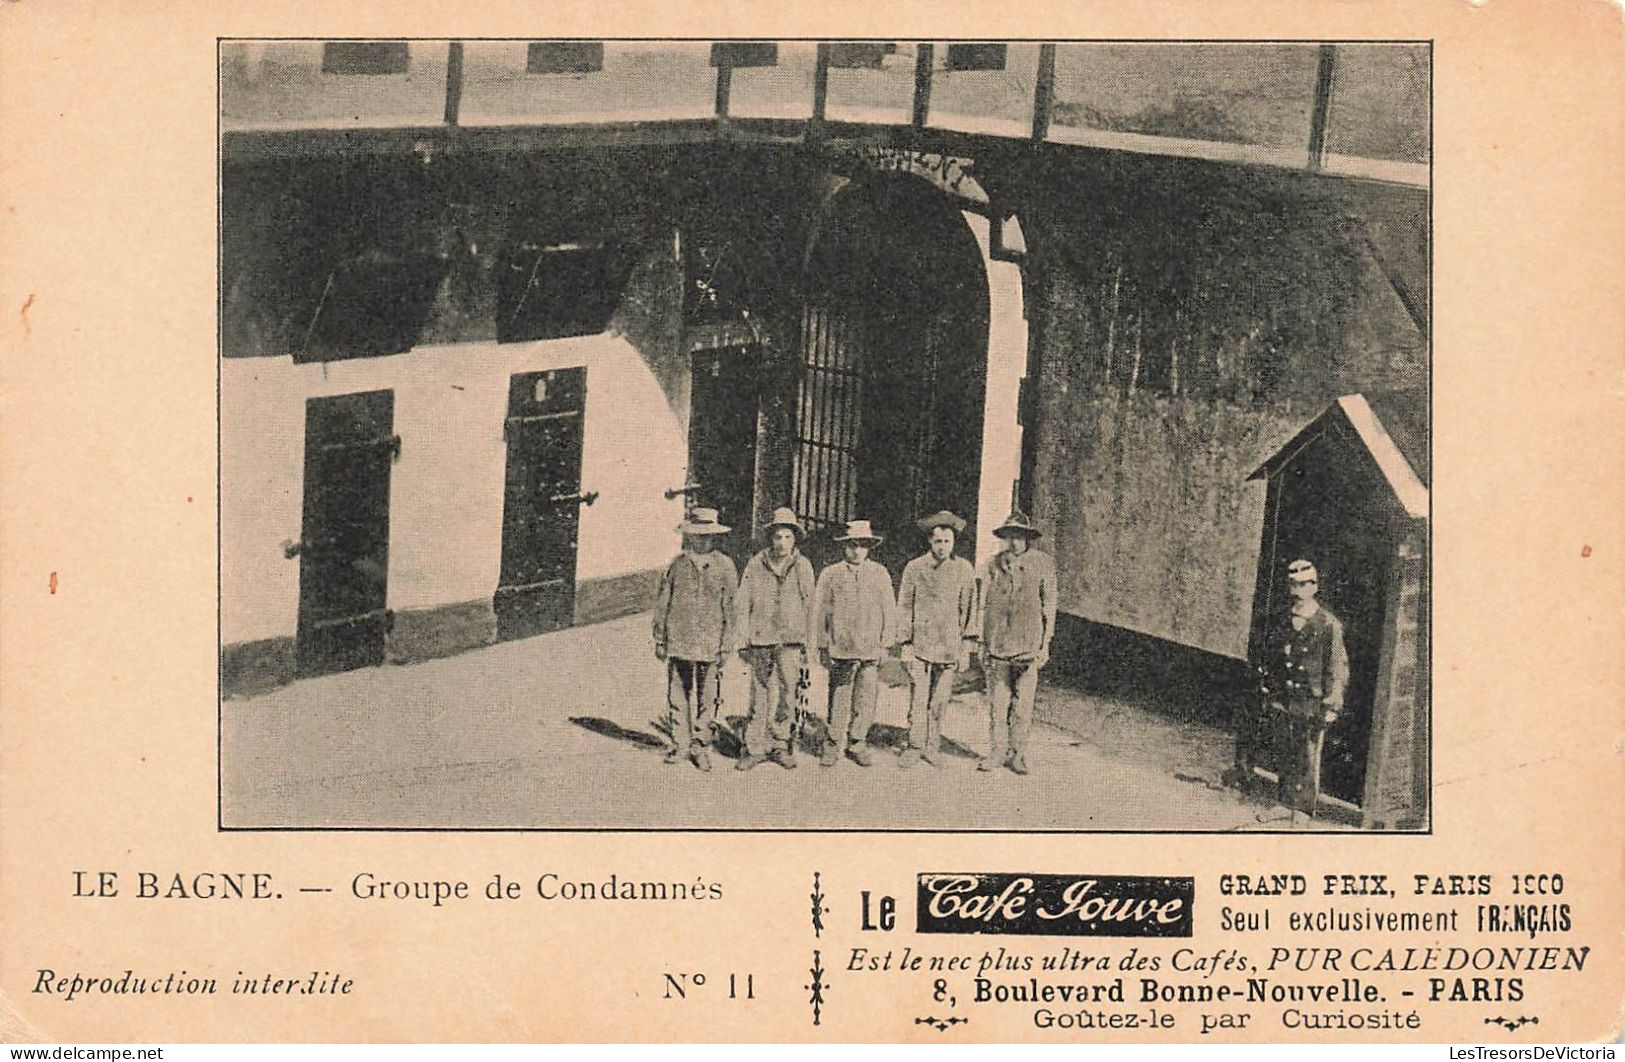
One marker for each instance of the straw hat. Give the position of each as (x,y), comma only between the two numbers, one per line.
(703,521)
(784,516)
(950,520)
(860,531)
(1017,523)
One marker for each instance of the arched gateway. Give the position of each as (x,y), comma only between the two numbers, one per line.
(892,366)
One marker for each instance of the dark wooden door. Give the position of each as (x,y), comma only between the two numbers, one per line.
(541,510)
(344,547)
(724,403)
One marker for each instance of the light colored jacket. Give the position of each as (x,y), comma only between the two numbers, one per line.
(773,606)
(854,611)
(694,608)
(936,608)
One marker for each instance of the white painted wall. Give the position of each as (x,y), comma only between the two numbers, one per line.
(446,489)
(1006,363)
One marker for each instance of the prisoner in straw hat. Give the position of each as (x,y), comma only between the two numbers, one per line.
(703,521)
(942,518)
(859,531)
(784,516)
(1017,523)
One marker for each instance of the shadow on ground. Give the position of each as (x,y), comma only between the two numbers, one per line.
(728,741)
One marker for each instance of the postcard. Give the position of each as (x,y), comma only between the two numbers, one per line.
(1090,524)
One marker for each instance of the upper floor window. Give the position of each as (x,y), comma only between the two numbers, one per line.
(975,57)
(564,57)
(744,53)
(365,57)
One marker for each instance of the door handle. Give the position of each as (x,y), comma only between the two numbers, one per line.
(580,499)
(687,490)
(306,548)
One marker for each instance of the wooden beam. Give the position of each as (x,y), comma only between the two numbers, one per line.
(335,140)
(724,86)
(454,82)
(264,145)
(1044,92)
(820,92)
(1324,72)
(923,58)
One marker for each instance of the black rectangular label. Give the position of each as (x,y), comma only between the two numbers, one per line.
(1054,905)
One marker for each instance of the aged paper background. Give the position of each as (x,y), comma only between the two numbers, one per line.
(108,563)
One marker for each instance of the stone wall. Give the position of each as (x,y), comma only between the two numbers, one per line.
(1189,320)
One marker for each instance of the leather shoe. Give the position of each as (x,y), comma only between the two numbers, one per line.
(785,758)
(932,756)
(860,756)
(909,758)
(830,756)
(1017,763)
(749,761)
(701,758)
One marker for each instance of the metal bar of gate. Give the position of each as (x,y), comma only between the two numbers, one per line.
(831,409)
(815,410)
(854,411)
(799,489)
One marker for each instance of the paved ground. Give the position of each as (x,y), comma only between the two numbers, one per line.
(561,731)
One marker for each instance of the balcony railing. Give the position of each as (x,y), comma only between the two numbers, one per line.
(1351,109)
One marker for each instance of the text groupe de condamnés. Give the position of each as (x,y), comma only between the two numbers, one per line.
(548,886)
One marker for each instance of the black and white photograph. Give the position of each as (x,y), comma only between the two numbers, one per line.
(825,435)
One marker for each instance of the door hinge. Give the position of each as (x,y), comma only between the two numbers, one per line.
(392,443)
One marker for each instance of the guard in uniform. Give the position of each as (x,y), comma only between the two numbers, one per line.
(853,624)
(775,599)
(1305,674)
(693,629)
(1017,590)
(936,617)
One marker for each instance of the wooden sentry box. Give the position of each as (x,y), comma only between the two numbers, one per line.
(1350,493)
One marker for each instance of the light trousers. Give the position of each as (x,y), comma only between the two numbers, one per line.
(775,678)
(931,687)
(854,686)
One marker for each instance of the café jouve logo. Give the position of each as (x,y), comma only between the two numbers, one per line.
(1083,905)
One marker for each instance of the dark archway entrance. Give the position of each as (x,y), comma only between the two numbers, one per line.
(892,367)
